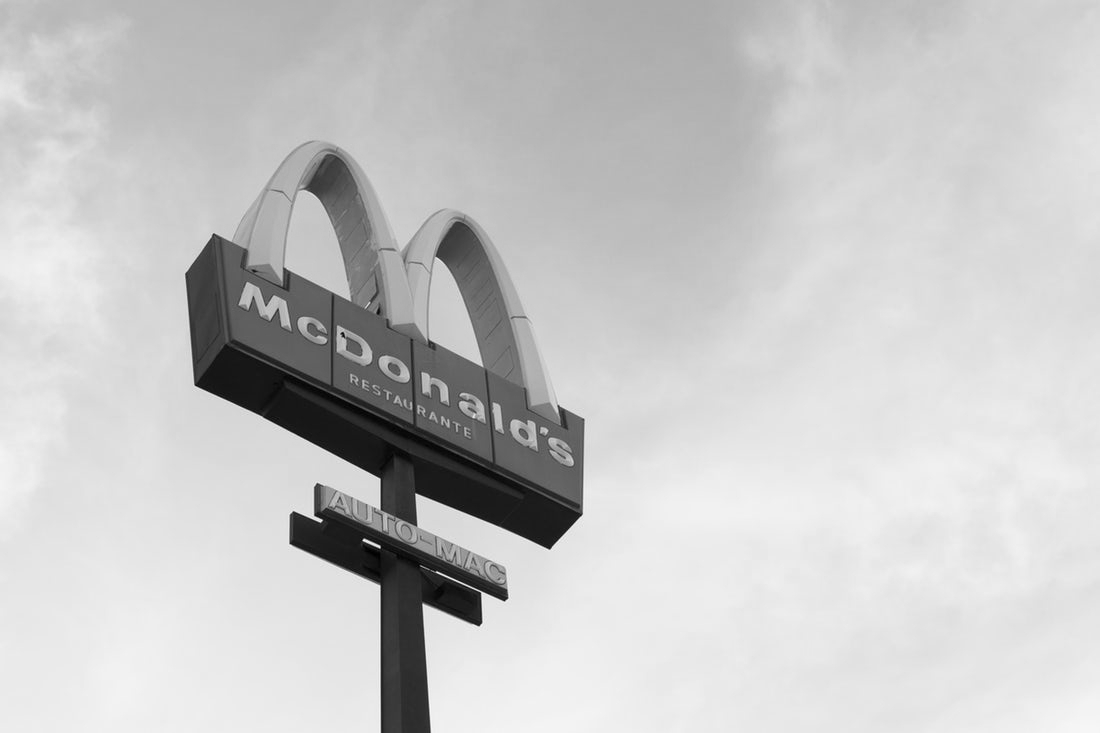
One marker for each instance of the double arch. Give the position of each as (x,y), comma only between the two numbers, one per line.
(397,284)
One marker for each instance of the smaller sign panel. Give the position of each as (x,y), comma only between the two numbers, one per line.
(408,539)
(370,363)
(364,560)
(452,399)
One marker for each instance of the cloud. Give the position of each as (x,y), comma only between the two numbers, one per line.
(936,243)
(53,128)
(911,357)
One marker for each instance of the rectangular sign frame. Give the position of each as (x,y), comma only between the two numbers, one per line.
(407,539)
(276,351)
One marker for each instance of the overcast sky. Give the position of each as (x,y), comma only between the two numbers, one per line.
(820,276)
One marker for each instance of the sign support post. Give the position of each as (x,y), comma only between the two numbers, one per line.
(404,700)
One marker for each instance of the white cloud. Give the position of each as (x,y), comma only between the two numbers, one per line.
(923,321)
(52,127)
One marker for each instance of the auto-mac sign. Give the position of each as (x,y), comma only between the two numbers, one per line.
(360,377)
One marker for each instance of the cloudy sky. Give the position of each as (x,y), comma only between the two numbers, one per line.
(819,275)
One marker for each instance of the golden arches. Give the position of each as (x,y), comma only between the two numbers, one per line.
(504,334)
(375,270)
(384,281)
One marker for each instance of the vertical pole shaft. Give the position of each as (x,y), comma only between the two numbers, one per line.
(404,666)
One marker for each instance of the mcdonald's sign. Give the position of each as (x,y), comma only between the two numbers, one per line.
(361,378)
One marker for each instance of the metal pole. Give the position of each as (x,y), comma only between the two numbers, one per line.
(404,666)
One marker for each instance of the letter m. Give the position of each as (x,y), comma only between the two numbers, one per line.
(252,295)
(447,551)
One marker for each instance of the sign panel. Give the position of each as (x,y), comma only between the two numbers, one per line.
(371,364)
(261,320)
(408,539)
(337,375)
(451,398)
(528,444)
